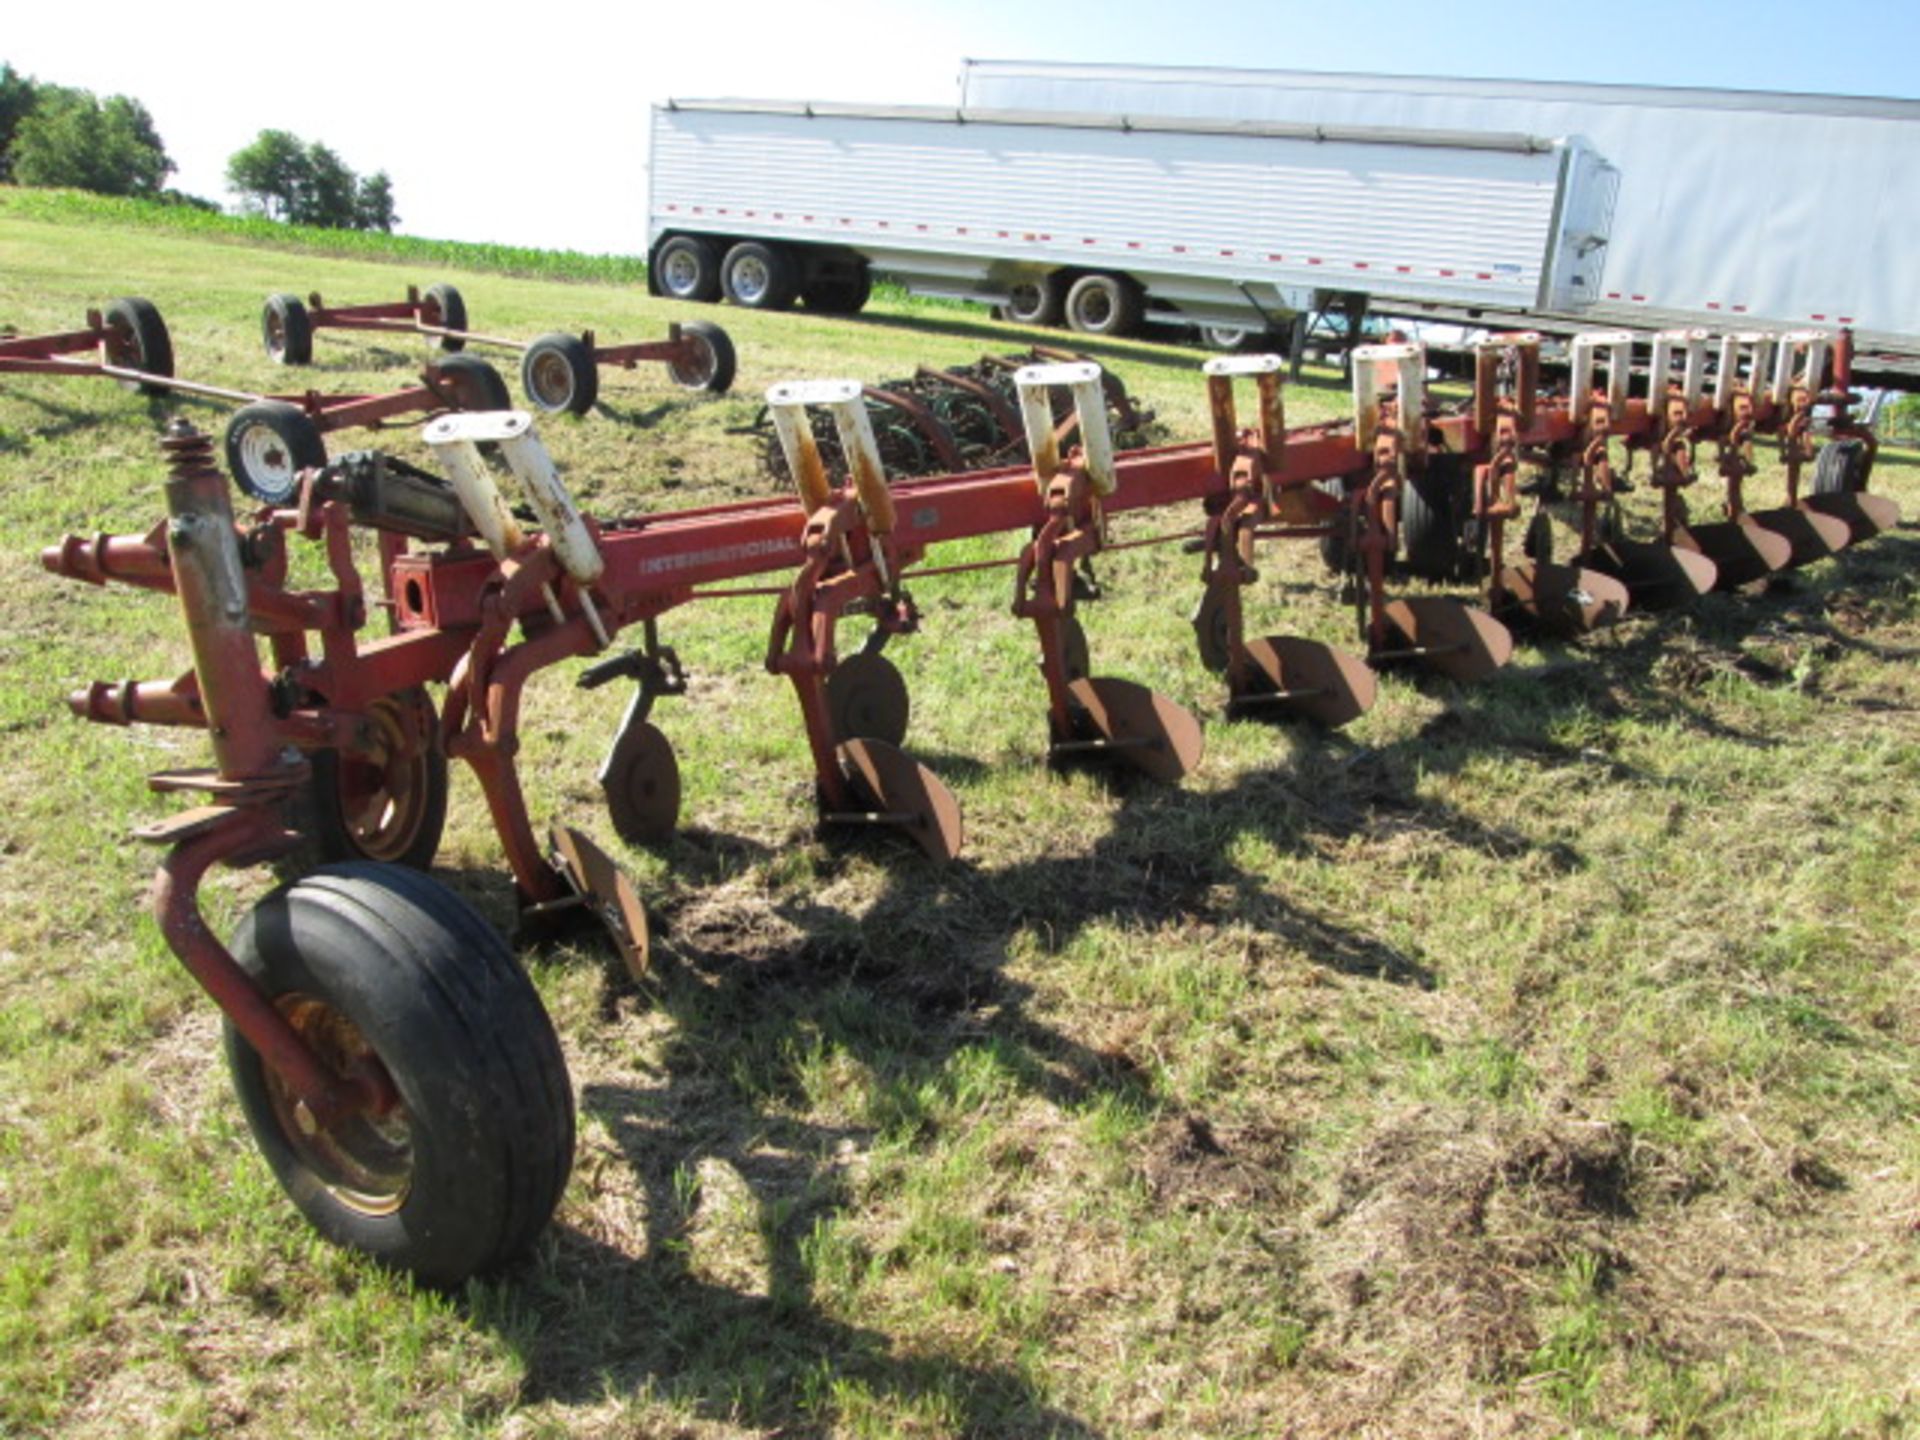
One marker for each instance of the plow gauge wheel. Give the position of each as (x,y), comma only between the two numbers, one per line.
(903,793)
(867,699)
(609,895)
(1291,676)
(641,780)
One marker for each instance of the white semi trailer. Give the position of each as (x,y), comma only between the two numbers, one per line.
(1106,221)
(1736,209)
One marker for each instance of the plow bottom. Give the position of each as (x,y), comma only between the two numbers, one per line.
(1457,640)
(1564,599)
(1813,536)
(900,792)
(1135,724)
(1742,551)
(1657,576)
(1288,676)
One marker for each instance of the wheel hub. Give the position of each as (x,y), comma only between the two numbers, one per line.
(365,1159)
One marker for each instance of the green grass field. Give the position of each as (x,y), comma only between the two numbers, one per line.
(1529,1059)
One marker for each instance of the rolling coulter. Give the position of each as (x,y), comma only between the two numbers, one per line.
(395,1066)
(560,372)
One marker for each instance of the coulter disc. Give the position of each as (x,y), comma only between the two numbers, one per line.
(641,780)
(867,699)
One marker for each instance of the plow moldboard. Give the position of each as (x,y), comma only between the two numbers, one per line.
(1143,727)
(1291,676)
(593,876)
(1657,576)
(894,784)
(1740,550)
(1864,513)
(1565,599)
(1457,640)
(1812,535)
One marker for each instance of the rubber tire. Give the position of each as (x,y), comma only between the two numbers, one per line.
(298,440)
(472,383)
(561,354)
(1044,307)
(453,316)
(1231,339)
(704,285)
(839,295)
(1432,515)
(436,993)
(720,377)
(1836,468)
(320,817)
(782,280)
(1107,306)
(288,315)
(145,340)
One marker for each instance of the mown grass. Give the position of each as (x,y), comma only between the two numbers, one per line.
(1528,1059)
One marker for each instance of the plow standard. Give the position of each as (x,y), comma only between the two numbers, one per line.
(395,1065)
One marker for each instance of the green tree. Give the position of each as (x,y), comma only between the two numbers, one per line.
(327,191)
(70,138)
(302,183)
(373,206)
(16,99)
(269,173)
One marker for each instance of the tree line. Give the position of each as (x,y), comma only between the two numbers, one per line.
(58,135)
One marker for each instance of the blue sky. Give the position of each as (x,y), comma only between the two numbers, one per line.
(528,125)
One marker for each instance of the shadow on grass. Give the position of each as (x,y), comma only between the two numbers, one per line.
(759,992)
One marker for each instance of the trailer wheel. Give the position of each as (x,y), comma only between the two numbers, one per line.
(442,306)
(1106,305)
(1032,302)
(711,365)
(1433,508)
(467,382)
(840,294)
(385,971)
(137,339)
(287,330)
(560,375)
(686,267)
(1837,467)
(1231,338)
(268,444)
(386,800)
(758,276)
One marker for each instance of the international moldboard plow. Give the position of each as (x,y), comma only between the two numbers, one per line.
(396,1067)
